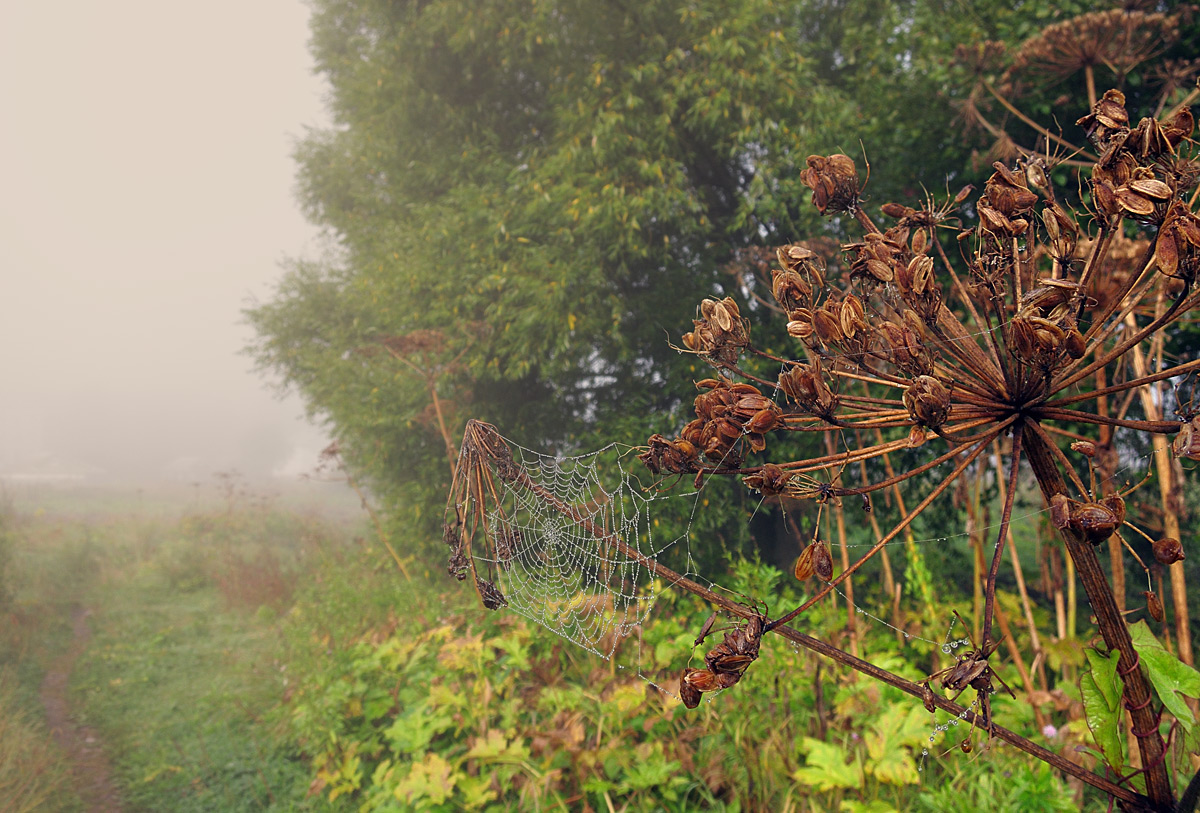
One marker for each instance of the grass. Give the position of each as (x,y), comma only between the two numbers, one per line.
(182,674)
(32,776)
(245,657)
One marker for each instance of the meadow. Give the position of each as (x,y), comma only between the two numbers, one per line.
(233,651)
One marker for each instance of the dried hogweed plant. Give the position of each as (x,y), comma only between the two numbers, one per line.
(1027,335)
(906,347)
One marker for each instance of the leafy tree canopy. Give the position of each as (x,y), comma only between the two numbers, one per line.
(527,196)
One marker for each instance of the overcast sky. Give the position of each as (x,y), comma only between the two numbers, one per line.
(146,194)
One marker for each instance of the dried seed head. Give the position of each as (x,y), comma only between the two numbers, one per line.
(771,480)
(790,290)
(804,384)
(927,401)
(834,182)
(490,594)
(1154,605)
(1108,115)
(1007,193)
(1168,551)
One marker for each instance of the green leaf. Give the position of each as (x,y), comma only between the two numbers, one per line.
(1102,688)
(432,778)
(826,767)
(889,759)
(415,730)
(1172,678)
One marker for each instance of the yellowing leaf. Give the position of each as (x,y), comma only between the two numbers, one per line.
(826,767)
(628,697)
(898,727)
(432,778)
(495,747)
(570,321)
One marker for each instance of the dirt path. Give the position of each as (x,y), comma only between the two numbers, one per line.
(90,770)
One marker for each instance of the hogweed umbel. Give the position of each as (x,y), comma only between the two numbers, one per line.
(903,346)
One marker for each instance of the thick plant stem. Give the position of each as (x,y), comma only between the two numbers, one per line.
(1112,628)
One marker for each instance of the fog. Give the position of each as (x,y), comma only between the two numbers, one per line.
(146,196)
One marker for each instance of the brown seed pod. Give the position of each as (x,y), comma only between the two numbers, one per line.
(920,241)
(822,561)
(803,570)
(688,693)
(1074,344)
(1187,442)
(1168,551)
(927,401)
(763,421)
(880,270)
(927,698)
(1084,447)
(1154,605)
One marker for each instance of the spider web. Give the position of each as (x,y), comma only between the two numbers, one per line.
(568,542)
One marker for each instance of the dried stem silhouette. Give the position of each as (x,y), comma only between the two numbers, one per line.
(901,349)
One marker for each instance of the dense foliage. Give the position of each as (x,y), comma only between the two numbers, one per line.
(518,192)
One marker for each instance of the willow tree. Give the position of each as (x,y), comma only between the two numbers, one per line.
(540,182)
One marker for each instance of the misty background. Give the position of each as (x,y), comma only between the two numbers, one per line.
(146,198)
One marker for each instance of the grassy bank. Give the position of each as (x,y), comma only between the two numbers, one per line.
(244,656)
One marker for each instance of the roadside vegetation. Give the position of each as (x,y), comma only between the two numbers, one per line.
(248,658)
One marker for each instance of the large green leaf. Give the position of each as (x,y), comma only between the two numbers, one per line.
(826,767)
(888,740)
(1173,680)
(1102,688)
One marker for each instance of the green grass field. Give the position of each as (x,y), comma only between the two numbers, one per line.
(252,653)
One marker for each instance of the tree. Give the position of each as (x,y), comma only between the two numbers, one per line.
(538,182)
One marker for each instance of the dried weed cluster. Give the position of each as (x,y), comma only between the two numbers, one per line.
(1023,325)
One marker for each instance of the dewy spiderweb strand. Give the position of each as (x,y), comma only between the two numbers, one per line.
(547,537)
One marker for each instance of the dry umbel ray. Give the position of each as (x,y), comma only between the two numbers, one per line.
(1001,345)
(1004,344)
(486,466)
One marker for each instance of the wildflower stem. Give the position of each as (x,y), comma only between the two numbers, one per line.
(1171,372)
(1183,304)
(1037,127)
(989,598)
(900,526)
(964,296)
(1160,427)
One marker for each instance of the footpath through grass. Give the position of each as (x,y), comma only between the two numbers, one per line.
(181,677)
(248,658)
